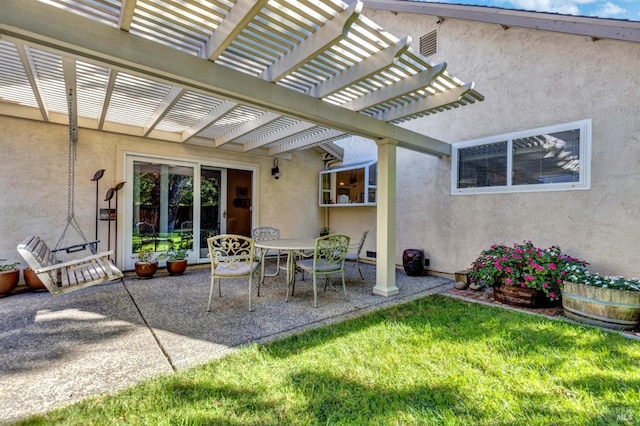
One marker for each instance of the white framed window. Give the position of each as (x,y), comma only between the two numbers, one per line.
(553,158)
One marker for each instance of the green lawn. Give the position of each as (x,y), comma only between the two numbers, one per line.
(435,361)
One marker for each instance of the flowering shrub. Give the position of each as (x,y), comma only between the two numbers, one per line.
(580,275)
(524,265)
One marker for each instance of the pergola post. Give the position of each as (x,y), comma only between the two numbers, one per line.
(386,219)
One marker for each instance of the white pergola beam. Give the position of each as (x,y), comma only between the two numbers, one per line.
(439,100)
(126,14)
(411,84)
(163,108)
(282,133)
(113,74)
(246,127)
(221,110)
(30,72)
(310,140)
(364,69)
(47,27)
(241,14)
(320,41)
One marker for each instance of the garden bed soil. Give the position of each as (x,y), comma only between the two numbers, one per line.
(485,296)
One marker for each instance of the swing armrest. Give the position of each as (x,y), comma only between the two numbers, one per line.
(104,255)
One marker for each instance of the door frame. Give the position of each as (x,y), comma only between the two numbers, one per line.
(126,262)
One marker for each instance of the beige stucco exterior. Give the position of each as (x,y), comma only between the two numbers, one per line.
(34,183)
(530,79)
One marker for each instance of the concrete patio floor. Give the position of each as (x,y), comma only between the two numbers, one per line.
(57,351)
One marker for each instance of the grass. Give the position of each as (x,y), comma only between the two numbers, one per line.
(435,361)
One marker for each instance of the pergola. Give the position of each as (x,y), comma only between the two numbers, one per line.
(263,76)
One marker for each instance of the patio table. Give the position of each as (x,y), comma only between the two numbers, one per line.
(291,246)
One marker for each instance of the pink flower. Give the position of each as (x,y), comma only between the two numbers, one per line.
(552,295)
(528,278)
(552,266)
(509,281)
(545,285)
(509,270)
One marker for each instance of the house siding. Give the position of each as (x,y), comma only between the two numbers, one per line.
(530,78)
(33,199)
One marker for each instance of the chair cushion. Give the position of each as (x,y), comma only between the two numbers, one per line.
(351,256)
(307,265)
(226,269)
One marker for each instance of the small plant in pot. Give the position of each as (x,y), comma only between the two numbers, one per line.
(9,276)
(176,261)
(146,263)
(324,230)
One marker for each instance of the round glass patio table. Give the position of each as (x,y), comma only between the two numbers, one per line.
(293,246)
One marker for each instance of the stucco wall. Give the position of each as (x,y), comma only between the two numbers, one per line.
(33,199)
(530,79)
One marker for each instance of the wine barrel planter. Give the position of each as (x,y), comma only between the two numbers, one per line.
(603,307)
(520,296)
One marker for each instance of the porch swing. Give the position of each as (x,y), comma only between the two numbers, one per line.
(63,277)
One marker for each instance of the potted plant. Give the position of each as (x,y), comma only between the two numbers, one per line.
(176,261)
(522,275)
(9,276)
(606,301)
(146,263)
(324,230)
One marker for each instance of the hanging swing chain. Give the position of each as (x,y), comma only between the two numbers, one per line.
(73,139)
(71,176)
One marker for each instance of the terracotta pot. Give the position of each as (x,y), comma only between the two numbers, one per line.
(176,267)
(32,281)
(9,281)
(146,269)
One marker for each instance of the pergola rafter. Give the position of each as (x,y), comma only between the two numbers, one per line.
(309,61)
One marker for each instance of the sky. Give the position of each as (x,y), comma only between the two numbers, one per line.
(615,9)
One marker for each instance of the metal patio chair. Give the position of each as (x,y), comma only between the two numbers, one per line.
(266,233)
(232,256)
(328,259)
(354,252)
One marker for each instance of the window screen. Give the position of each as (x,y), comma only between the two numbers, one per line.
(546,159)
(550,158)
(483,165)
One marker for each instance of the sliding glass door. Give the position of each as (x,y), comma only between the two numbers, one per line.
(178,203)
(213,183)
(162,206)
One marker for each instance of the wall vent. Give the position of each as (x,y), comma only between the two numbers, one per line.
(429,43)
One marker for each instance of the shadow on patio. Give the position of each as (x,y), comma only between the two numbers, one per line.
(60,350)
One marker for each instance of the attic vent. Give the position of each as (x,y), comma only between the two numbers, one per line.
(429,43)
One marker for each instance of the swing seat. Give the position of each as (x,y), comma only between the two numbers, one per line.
(93,246)
(64,277)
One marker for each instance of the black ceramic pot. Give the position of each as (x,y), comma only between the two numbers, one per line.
(413,262)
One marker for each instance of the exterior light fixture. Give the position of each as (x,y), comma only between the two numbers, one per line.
(275,170)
